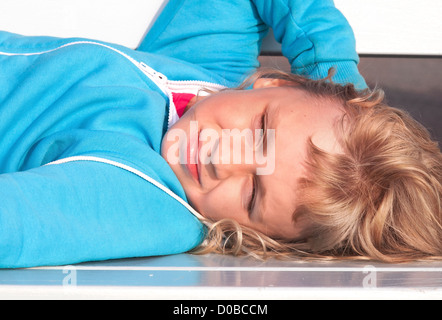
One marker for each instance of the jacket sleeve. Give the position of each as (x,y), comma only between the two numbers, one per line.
(315,36)
(84,211)
(226,36)
(222,36)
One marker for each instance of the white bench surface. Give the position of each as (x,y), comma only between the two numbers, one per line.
(223,277)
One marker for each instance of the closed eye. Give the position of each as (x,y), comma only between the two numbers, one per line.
(252,199)
(261,133)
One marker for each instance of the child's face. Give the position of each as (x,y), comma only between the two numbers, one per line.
(218,175)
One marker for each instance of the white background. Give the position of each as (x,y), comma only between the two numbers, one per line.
(381,26)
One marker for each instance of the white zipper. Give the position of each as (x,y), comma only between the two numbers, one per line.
(165,85)
(177,85)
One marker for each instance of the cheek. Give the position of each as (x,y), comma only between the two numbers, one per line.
(220,204)
(177,133)
(222,111)
(211,207)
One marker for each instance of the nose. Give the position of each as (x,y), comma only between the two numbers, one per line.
(231,153)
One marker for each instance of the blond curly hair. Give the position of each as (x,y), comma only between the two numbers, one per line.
(380,199)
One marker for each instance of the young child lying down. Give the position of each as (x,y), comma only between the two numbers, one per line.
(108,152)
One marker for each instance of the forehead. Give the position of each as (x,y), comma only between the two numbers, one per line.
(301,116)
(296,117)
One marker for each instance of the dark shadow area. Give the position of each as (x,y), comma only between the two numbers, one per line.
(410,83)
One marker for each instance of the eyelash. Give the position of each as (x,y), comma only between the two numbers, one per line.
(253,197)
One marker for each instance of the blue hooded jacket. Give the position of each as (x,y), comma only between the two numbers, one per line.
(107,107)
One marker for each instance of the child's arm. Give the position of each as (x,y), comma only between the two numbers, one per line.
(315,36)
(82,211)
(225,36)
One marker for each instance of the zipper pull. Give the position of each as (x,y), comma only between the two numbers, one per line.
(152,73)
